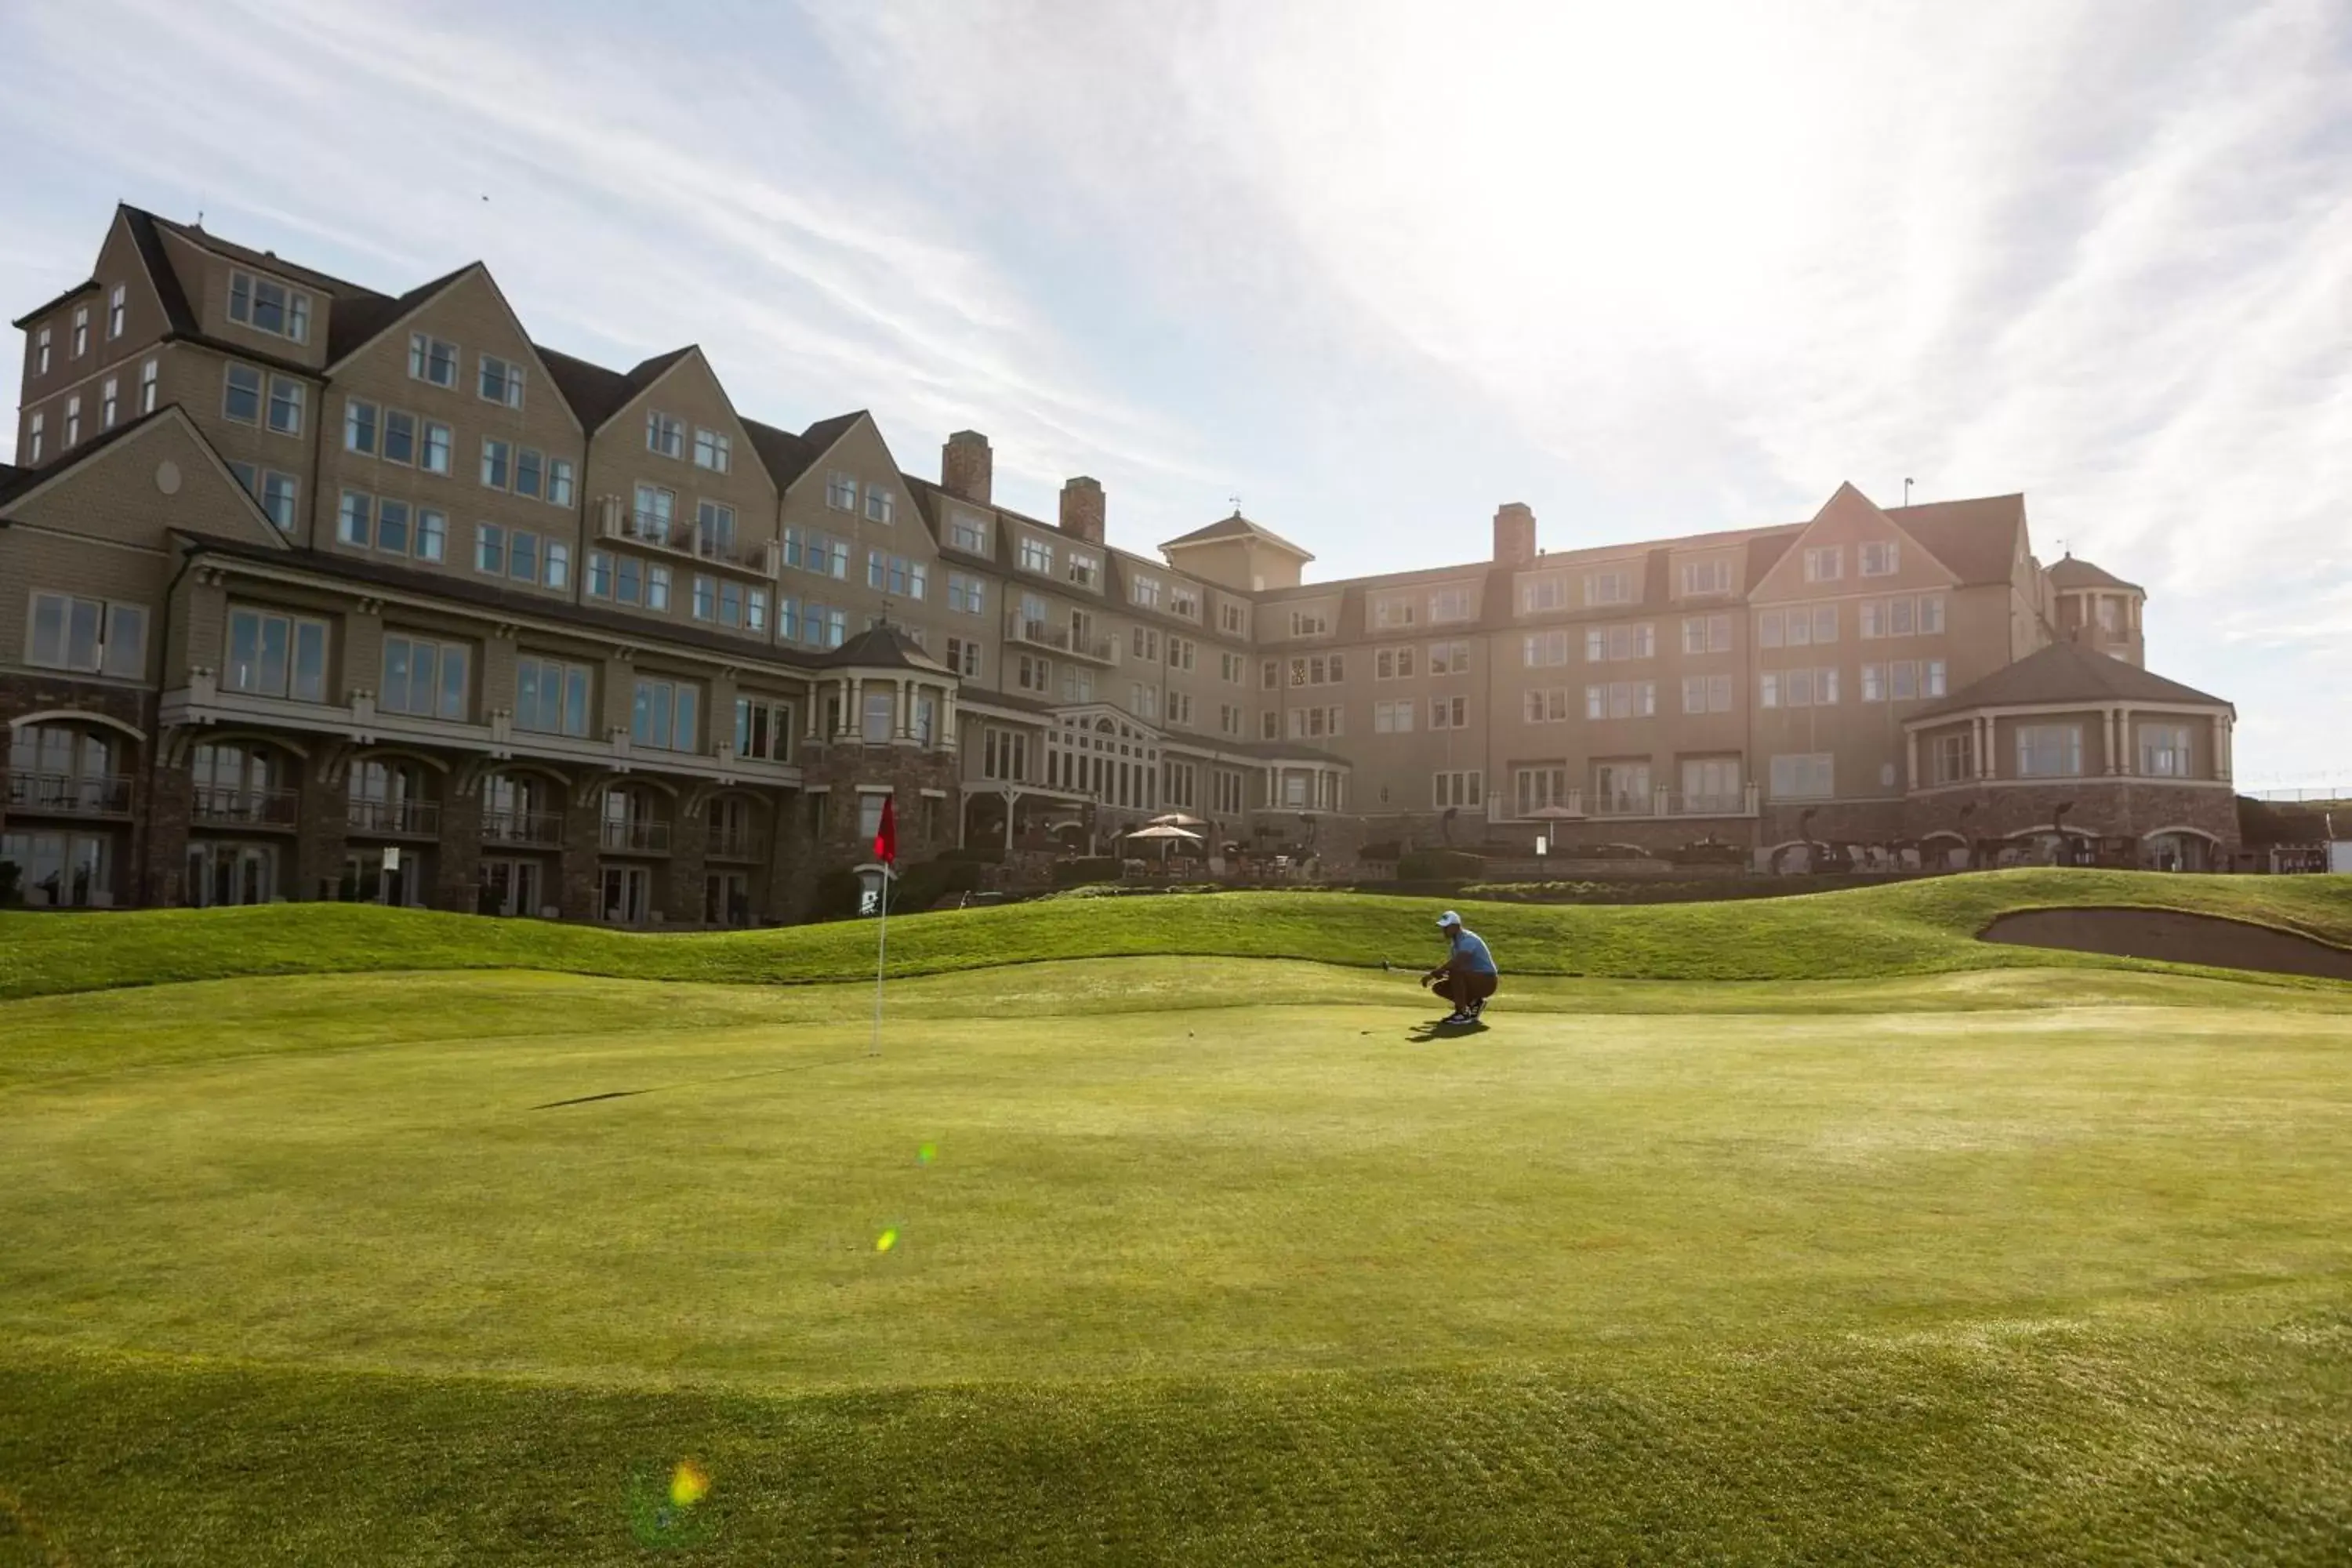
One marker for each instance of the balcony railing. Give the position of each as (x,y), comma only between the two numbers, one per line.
(744,845)
(230,805)
(544,828)
(687,538)
(1732,805)
(637,836)
(1060,639)
(1578,804)
(71,795)
(408,818)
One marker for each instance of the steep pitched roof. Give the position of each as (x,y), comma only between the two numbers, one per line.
(354,323)
(15,482)
(1977,538)
(2070,573)
(1236,527)
(787,456)
(202,238)
(825,432)
(882,648)
(2068,672)
(597,393)
(24,322)
(147,236)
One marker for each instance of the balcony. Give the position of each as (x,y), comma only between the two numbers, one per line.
(537,829)
(635,837)
(744,843)
(71,795)
(230,805)
(680,537)
(1582,805)
(395,818)
(1059,639)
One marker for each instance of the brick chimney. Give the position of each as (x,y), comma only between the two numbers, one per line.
(967,466)
(1082,509)
(1514,534)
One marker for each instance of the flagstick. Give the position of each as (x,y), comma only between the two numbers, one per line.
(881,953)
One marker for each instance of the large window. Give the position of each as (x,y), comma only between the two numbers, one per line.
(1953,758)
(1394,717)
(841,492)
(1620,700)
(93,636)
(713,451)
(1706,693)
(763,729)
(662,715)
(1450,605)
(813,551)
(967,594)
(1449,659)
(1825,563)
(2049,750)
(1458,789)
(2164,751)
(423,677)
(1605,644)
(896,575)
(1543,648)
(1805,776)
(1546,705)
(1706,577)
(1798,689)
(1712,784)
(968,532)
(284,405)
(273,654)
(241,397)
(1707,634)
(1881,558)
(664,434)
(1005,754)
(1541,786)
(551,696)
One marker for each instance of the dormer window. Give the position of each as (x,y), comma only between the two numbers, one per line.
(1144,591)
(1084,567)
(1608,587)
(1706,577)
(502,380)
(1881,558)
(968,532)
(665,436)
(267,307)
(1541,593)
(1037,555)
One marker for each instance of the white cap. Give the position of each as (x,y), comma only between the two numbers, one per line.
(1449,918)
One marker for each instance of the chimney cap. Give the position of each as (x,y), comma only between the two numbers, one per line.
(966,438)
(1084,481)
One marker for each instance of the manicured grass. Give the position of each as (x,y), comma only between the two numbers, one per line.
(1213,1260)
(1913,928)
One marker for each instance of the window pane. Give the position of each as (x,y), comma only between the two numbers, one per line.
(49,628)
(683,734)
(310,661)
(395,674)
(275,633)
(452,683)
(126,640)
(575,703)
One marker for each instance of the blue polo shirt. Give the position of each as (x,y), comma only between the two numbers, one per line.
(1471,948)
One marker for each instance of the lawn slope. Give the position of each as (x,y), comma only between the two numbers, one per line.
(1913,928)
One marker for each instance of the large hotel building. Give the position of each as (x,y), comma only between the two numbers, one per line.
(309,590)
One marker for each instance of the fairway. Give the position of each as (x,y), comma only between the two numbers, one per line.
(1189,1258)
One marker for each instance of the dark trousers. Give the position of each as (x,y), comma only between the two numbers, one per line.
(1462,987)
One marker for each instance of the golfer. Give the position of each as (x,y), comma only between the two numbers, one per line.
(1467,977)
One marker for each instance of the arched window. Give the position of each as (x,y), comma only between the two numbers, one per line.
(63,767)
(388,796)
(241,783)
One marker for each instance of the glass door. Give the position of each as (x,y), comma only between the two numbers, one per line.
(223,874)
(628,894)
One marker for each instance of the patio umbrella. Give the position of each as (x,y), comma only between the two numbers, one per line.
(1177,819)
(1167,833)
(1552,814)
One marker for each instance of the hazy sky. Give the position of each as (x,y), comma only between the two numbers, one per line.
(1372,266)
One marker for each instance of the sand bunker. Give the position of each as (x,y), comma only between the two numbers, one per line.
(2173,938)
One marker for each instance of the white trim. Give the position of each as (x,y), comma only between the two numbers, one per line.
(2180,827)
(80,716)
(932,794)
(2081,780)
(2078,706)
(368,752)
(876,789)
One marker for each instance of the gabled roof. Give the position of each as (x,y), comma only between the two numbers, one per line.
(146,235)
(2070,573)
(25,321)
(1236,527)
(261,261)
(787,456)
(884,647)
(597,393)
(15,482)
(825,432)
(1977,539)
(356,322)
(2068,672)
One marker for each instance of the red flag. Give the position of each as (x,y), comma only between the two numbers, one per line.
(886,837)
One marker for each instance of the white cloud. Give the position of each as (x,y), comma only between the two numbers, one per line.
(1382,263)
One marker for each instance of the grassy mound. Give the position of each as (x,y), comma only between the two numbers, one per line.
(1912,927)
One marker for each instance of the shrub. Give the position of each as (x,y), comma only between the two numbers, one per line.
(834,896)
(973,855)
(1086,869)
(9,873)
(1440,866)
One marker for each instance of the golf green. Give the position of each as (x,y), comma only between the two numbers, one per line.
(1189,1258)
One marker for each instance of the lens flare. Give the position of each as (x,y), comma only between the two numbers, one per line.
(886,1241)
(662,1506)
(926,1155)
(688,1484)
